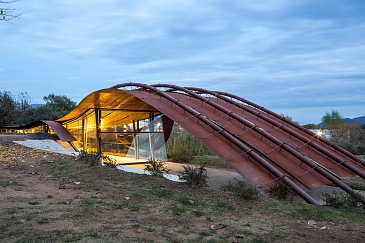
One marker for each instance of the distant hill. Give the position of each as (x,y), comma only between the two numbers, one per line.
(357,120)
(35,105)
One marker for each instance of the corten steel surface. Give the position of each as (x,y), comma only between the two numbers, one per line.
(58,129)
(261,145)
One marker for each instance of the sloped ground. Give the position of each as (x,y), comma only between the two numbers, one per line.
(47,197)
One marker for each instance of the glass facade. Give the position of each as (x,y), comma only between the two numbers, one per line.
(43,128)
(132,135)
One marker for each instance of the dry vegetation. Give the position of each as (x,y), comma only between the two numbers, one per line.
(54,198)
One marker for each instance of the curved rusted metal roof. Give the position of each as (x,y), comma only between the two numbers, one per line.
(58,129)
(111,99)
(261,145)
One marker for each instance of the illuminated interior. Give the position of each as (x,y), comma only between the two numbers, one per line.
(125,135)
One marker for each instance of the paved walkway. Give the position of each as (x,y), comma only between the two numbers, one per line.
(47,145)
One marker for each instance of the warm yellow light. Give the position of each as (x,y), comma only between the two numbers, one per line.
(319,133)
(159,128)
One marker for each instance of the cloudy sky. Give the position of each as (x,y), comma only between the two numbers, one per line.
(298,58)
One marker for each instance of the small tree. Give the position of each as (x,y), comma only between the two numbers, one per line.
(56,107)
(333,120)
(8,106)
(349,136)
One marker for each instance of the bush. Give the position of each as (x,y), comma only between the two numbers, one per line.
(156,168)
(279,190)
(93,158)
(180,156)
(336,199)
(197,176)
(341,200)
(182,147)
(242,190)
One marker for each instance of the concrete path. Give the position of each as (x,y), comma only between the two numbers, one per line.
(47,145)
(217,177)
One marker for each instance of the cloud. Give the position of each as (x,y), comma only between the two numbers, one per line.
(285,55)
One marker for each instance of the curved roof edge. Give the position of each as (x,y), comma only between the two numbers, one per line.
(59,130)
(107,99)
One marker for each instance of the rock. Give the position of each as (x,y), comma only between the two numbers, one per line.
(191,202)
(64,202)
(64,186)
(239,236)
(34,203)
(312,222)
(218,226)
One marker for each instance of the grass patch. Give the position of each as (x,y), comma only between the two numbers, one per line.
(222,206)
(178,210)
(162,192)
(209,160)
(241,189)
(329,214)
(157,210)
(43,221)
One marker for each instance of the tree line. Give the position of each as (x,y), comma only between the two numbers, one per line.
(17,110)
(348,136)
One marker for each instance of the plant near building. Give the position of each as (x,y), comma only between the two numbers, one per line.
(241,189)
(197,176)
(341,200)
(95,158)
(279,190)
(156,168)
(182,147)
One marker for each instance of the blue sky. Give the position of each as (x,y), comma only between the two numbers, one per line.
(298,58)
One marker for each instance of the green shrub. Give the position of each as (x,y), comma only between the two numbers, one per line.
(241,189)
(197,176)
(93,159)
(182,147)
(336,199)
(341,200)
(156,168)
(279,190)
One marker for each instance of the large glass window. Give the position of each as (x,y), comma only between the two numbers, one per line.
(133,134)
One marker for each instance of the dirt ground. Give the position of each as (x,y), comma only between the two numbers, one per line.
(47,197)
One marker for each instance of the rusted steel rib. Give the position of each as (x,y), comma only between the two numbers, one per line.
(229,137)
(59,130)
(293,124)
(273,139)
(310,143)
